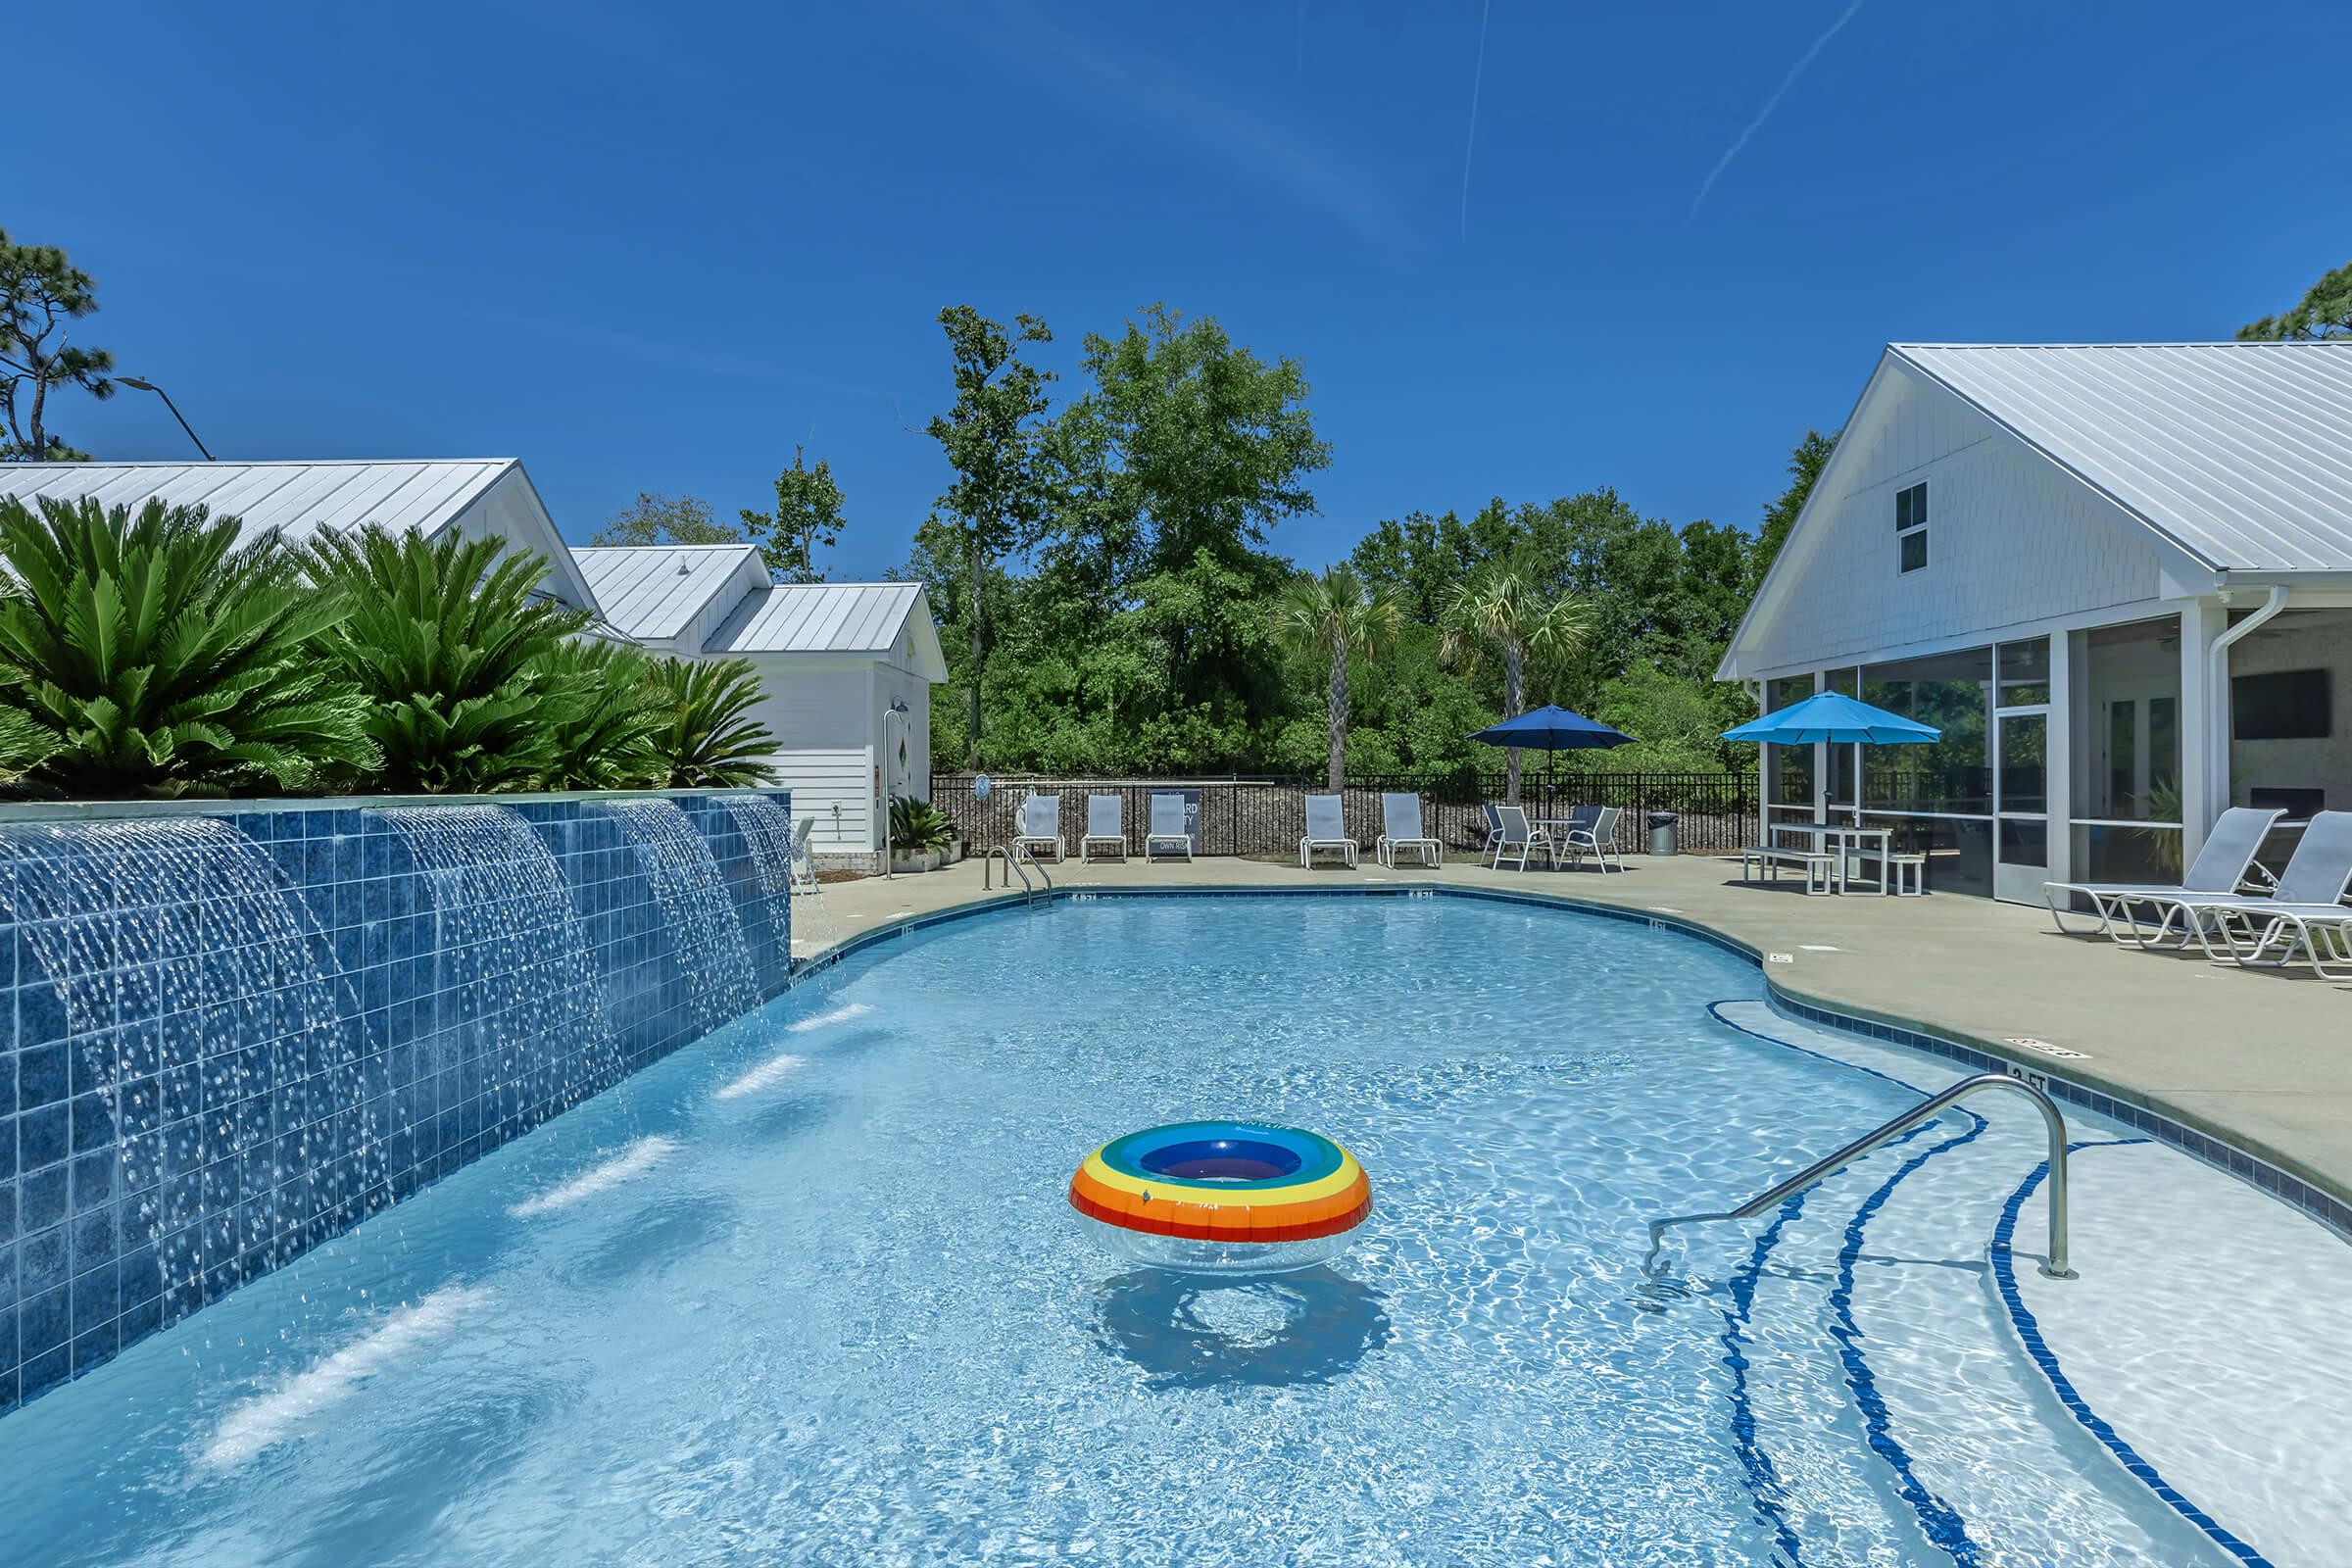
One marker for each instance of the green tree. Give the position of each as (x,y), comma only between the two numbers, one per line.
(707,738)
(450,641)
(1805,462)
(1331,619)
(996,502)
(154,654)
(807,514)
(2325,311)
(1504,611)
(41,294)
(658,519)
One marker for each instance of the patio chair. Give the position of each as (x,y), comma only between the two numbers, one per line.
(1167,826)
(1493,817)
(2221,867)
(1102,826)
(801,872)
(1041,823)
(1515,832)
(1597,833)
(1326,830)
(1401,824)
(2305,907)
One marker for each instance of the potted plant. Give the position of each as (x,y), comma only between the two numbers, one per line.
(921,836)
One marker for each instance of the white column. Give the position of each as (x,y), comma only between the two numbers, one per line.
(2204,744)
(2058,741)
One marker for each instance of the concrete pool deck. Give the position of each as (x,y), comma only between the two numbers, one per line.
(2261,1060)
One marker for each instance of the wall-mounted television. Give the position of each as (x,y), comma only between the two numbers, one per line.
(2291,704)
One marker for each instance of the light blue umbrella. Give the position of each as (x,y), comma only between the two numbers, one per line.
(1838,718)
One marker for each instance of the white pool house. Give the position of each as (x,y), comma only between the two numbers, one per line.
(2117,577)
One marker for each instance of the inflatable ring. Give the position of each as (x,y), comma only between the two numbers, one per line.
(1223,1197)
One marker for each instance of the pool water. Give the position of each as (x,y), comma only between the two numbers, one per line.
(809,1292)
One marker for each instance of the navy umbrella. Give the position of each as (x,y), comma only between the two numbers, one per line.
(1553,729)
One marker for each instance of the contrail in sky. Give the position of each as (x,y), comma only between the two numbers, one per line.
(1770,104)
(1478,79)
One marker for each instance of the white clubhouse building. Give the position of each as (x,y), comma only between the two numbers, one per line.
(2117,577)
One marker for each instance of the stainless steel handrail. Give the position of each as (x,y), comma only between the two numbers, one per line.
(1933,1105)
(1014,857)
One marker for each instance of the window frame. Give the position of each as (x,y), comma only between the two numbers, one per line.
(1911,523)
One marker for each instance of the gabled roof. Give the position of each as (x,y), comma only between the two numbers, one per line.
(834,617)
(653,592)
(299,499)
(2240,453)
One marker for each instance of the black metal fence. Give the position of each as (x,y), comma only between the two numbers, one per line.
(1267,815)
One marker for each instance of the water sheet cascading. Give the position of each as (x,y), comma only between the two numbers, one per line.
(517,989)
(685,880)
(199,1014)
(767,828)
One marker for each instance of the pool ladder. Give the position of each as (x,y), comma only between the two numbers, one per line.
(1015,857)
(1828,1166)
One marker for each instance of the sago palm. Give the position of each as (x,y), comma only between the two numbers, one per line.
(448,640)
(708,739)
(1504,610)
(604,708)
(160,656)
(1331,619)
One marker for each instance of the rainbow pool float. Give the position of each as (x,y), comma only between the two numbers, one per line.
(1223,1197)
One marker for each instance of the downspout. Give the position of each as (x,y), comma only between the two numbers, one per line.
(2217,701)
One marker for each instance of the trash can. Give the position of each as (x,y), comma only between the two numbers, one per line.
(1662,831)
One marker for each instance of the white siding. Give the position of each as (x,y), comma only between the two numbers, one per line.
(2011,539)
(824,728)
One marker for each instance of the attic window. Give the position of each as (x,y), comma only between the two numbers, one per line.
(1911,527)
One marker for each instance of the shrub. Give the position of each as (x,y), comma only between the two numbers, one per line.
(449,642)
(705,739)
(157,656)
(604,708)
(918,826)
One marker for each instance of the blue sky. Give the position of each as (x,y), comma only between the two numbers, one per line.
(652,248)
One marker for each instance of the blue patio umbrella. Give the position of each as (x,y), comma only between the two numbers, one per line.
(1838,718)
(1552,729)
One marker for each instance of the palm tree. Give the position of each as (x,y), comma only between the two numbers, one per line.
(1335,617)
(1504,608)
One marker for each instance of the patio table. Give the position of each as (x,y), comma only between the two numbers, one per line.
(1844,839)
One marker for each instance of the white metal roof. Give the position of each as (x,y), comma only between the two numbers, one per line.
(654,592)
(2239,453)
(489,496)
(828,618)
(296,498)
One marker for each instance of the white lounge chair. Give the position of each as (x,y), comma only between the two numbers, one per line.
(1167,826)
(2220,869)
(1041,823)
(1594,829)
(1102,826)
(1326,830)
(2306,907)
(1514,831)
(1493,817)
(802,873)
(1400,824)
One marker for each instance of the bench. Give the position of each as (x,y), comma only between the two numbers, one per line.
(1823,874)
(1904,874)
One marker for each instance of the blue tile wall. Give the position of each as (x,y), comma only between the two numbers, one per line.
(215,1056)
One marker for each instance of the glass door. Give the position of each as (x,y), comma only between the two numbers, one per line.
(2021,773)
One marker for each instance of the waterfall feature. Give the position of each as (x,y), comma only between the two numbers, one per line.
(245,1121)
(517,989)
(700,915)
(767,828)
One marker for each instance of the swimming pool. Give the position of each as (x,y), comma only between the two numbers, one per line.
(809,1292)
